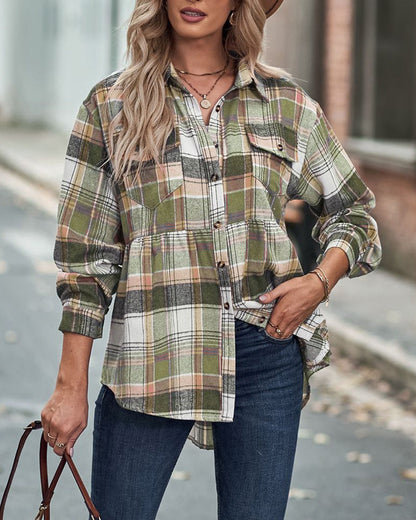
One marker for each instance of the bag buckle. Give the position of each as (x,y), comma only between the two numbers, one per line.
(41,512)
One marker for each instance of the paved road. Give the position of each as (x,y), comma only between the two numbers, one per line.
(344,414)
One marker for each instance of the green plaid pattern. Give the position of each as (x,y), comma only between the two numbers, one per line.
(190,245)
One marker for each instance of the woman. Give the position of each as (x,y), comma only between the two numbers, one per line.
(177,174)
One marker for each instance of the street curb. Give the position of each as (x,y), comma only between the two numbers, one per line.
(397,366)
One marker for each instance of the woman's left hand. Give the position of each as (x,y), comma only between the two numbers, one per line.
(296,300)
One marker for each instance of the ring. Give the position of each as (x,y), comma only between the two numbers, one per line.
(51,436)
(276,328)
(60,444)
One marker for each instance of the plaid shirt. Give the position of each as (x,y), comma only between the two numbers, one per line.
(192,244)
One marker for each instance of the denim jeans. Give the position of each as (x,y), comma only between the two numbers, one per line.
(134,453)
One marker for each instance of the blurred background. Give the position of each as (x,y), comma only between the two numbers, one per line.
(357,58)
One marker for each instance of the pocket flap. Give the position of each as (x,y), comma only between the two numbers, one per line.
(275,138)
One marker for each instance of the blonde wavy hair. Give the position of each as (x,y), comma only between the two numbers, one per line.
(146,119)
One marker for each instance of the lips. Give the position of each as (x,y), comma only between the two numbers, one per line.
(191,11)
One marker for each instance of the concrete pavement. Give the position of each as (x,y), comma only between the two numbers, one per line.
(371,318)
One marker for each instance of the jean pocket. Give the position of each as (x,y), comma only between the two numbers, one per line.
(242,326)
(102,393)
(277,341)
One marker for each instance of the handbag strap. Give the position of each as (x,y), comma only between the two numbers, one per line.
(35,425)
(88,502)
(47,489)
(44,473)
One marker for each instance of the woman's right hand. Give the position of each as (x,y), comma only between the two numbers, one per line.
(64,418)
(65,415)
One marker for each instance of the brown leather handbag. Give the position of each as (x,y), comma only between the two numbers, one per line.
(47,489)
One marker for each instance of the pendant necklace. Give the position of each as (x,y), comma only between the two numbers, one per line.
(206,103)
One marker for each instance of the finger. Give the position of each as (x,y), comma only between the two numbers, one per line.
(282,335)
(273,327)
(71,443)
(59,446)
(51,438)
(279,326)
(275,293)
(277,317)
(290,328)
(46,419)
(46,429)
(72,437)
(45,425)
(70,446)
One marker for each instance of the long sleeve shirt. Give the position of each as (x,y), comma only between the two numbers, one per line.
(189,245)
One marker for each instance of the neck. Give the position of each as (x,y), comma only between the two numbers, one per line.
(199,55)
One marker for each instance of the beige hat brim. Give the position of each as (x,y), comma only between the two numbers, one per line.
(271,6)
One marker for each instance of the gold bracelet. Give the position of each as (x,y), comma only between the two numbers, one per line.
(325,282)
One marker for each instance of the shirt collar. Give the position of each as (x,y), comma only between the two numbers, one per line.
(243,78)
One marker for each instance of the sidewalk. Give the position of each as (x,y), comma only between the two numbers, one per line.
(371,318)
(37,155)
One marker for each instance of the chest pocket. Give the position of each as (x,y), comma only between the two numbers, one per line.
(154,183)
(273,150)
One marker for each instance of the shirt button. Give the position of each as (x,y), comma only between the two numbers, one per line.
(262,319)
(217,224)
(226,305)
(214,177)
(221,264)
(217,108)
(216,145)
(280,147)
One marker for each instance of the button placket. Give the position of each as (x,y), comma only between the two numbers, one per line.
(208,136)
(217,206)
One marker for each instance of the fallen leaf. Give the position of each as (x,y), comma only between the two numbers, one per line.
(302,494)
(364,458)
(180,475)
(393,500)
(352,456)
(356,456)
(10,336)
(409,473)
(321,438)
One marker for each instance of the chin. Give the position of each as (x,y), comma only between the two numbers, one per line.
(190,32)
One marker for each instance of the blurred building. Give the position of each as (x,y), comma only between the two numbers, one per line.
(358,59)
(52,52)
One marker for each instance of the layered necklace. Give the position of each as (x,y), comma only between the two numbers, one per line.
(205,103)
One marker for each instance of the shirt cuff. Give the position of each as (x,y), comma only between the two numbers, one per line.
(82,322)
(362,257)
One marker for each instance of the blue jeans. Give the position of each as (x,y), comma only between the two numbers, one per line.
(134,453)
